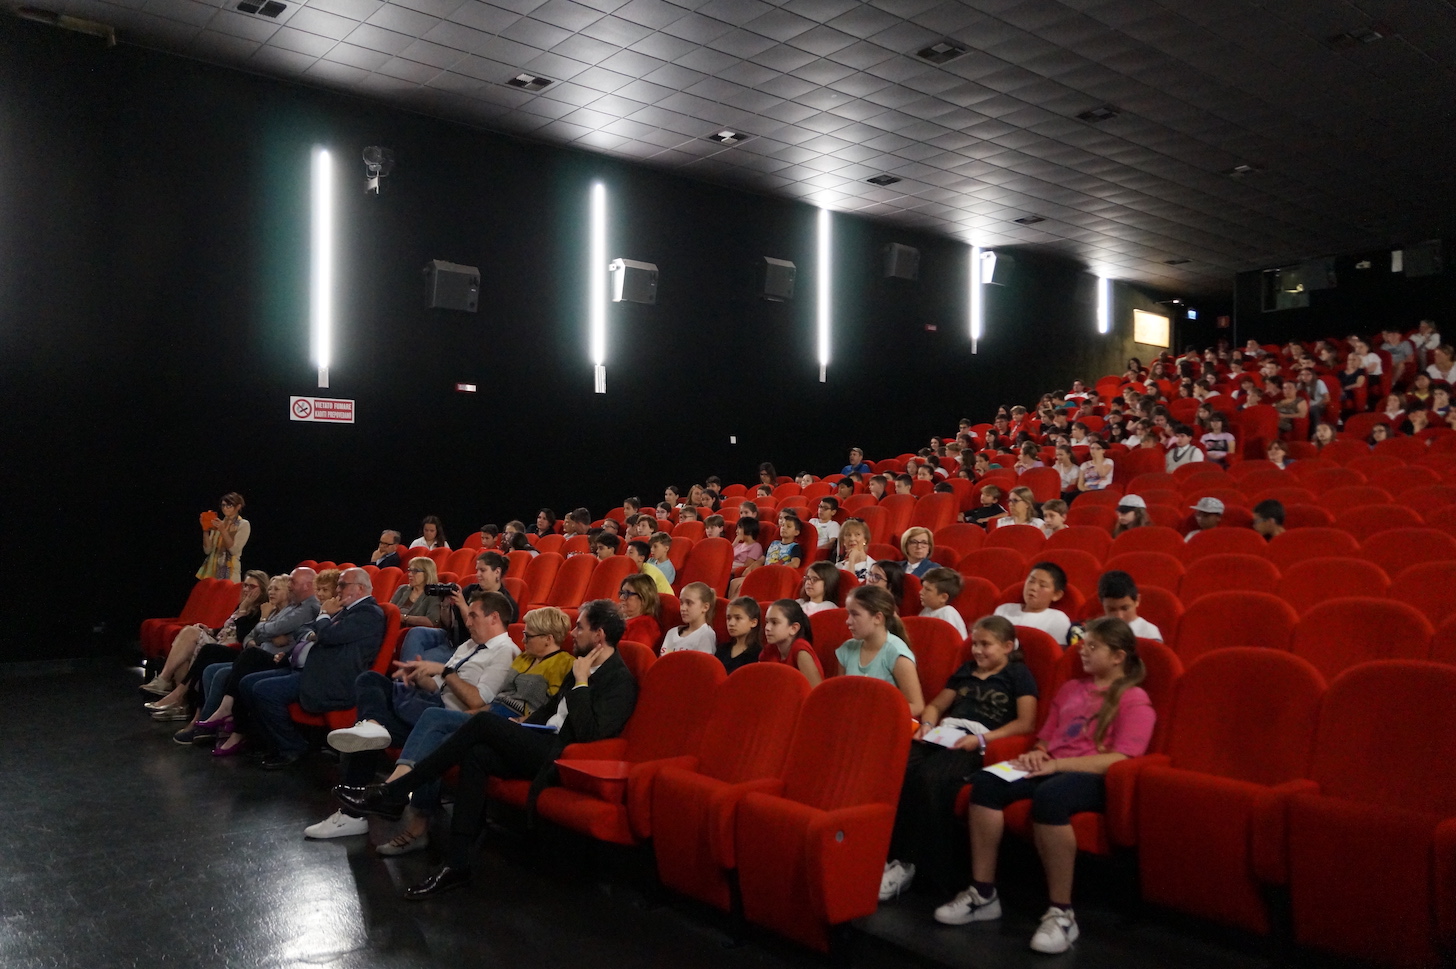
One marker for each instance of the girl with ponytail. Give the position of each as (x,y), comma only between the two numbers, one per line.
(1095,721)
(878,647)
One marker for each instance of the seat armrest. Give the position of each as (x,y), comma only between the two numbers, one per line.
(613,748)
(847,849)
(640,778)
(1121,810)
(1269,837)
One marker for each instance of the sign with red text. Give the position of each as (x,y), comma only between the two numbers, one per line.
(321,410)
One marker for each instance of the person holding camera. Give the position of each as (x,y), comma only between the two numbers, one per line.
(438,640)
(418,605)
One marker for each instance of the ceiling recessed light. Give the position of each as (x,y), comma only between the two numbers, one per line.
(882,180)
(1105,112)
(942,51)
(728,137)
(263,8)
(1238,171)
(1029,220)
(530,82)
(1174,262)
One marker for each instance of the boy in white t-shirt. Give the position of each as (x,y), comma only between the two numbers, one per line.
(1119,595)
(937,588)
(1046,583)
(825,524)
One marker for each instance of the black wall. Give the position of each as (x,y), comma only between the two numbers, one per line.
(154,321)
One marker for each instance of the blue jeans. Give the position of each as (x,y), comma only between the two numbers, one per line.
(432,729)
(214,682)
(426,642)
(374,693)
(266,696)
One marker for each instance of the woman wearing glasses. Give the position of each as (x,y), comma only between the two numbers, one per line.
(415,607)
(223,540)
(918,547)
(642,609)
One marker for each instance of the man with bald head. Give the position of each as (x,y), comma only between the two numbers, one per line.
(339,645)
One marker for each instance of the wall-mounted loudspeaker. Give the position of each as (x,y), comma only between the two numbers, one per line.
(901,262)
(449,286)
(633,282)
(776,279)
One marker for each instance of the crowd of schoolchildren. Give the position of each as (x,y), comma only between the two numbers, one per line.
(460,661)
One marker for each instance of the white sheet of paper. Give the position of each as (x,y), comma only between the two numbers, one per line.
(1005,770)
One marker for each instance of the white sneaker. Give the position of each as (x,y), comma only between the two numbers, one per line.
(969,906)
(159,685)
(896,879)
(1057,932)
(337,825)
(364,735)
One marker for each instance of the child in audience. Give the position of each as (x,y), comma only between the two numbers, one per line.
(821,588)
(1278,454)
(660,548)
(743,645)
(747,509)
(696,632)
(1183,451)
(1095,721)
(991,506)
(1269,519)
(1097,470)
(786,550)
(878,646)
(747,552)
(828,528)
(1045,584)
(1066,468)
(763,491)
(937,589)
(641,553)
(844,490)
(664,512)
(1020,509)
(993,695)
(903,484)
(888,575)
(854,543)
(713,526)
(1218,442)
(877,486)
(1132,512)
(1120,599)
(1207,513)
(788,638)
(1054,516)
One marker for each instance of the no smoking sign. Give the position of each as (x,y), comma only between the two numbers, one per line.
(321,410)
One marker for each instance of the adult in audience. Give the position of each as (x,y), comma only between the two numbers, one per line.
(593,704)
(417,608)
(432,534)
(347,637)
(1094,722)
(189,639)
(919,546)
(1020,509)
(224,539)
(856,463)
(1352,378)
(387,554)
(854,544)
(1402,355)
(1269,519)
(389,709)
(1207,513)
(641,609)
(1097,470)
(1290,405)
(1443,364)
(545,523)
(1425,340)
(438,644)
(1313,388)
(1132,512)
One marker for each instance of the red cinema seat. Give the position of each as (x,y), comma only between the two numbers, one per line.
(1242,724)
(1045,483)
(157,634)
(605,580)
(673,697)
(1307,516)
(1294,547)
(1089,515)
(831,629)
(1340,500)
(1405,478)
(694,800)
(1085,538)
(692,530)
(711,562)
(810,855)
(576,545)
(935,511)
(539,576)
(1082,568)
(1342,633)
(383,660)
(570,583)
(1313,581)
(999,566)
(937,648)
(1147,568)
(1224,541)
(897,510)
(1429,498)
(1331,478)
(769,582)
(1430,587)
(1376,811)
(1222,619)
(1150,538)
(1372,519)
(1397,549)
(386,581)
(977,599)
(1227,573)
(962,538)
(461,561)
(551,543)
(1026,540)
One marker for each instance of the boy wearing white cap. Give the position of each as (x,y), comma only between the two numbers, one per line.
(1208,513)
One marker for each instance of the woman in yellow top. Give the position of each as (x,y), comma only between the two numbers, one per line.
(223,541)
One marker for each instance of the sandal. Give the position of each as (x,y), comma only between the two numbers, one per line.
(404,843)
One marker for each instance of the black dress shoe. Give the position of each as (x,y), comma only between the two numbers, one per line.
(374,800)
(279,761)
(439,883)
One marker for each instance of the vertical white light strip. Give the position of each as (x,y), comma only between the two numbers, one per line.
(321,296)
(597,286)
(977,308)
(825,264)
(1104,304)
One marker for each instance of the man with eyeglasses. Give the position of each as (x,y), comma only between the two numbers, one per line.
(387,554)
(346,638)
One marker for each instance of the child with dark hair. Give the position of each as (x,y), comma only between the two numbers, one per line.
(743,645)
(747,552)
(788,638)
(1269,519)
(991,506)
(1120,598)
(1045,584)
(821,588)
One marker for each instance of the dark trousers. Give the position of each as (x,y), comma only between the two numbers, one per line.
(250,660)
(1054,798)
(245,713)
(209,654)
(484,747)
(374,696)
(927,833)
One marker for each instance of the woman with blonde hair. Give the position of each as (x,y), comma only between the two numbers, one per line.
(1020,509)
(854,543)
(416,607)
(642,609)
(918,545)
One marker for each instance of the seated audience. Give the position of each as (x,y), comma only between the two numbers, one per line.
(1120,599)
(190,639)
(387,554)
(744,644)
(856,463)
(1097,470)
(854,543)
(439,643)
(1132,512)
(821,588)
(918,546)
(878,646)
(1183,451)
(1207,513)
(1020,509)
(432,533)
(641,609)
(416,606)
(1269,519)
(788,638)
(696,604)
(1045,585)
(937,588)
(1054,516)
(640,553)
(825,524)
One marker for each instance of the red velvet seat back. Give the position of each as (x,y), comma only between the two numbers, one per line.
(1150,538)
(937,649)
(748,733)
(1223,619)
(540,574)
(673,697)
(1026,540)
(570,583)
(710,561)
(999,566)
(1313,581)
(770,582)
(1084,538)
(1226,573)
(1397,549)
(1147,568)
(1342,633)
(1224,541)
(830,765)
(1309,543)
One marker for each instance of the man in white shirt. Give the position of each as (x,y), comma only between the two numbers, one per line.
(387,710)
(1425,340)
(1120,598)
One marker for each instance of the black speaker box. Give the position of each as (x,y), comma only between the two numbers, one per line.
(776,279)
(449,286)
